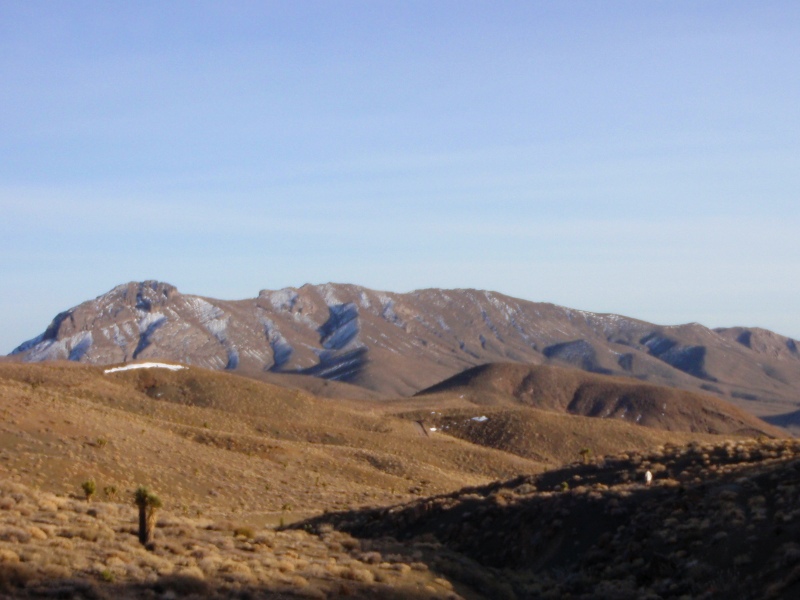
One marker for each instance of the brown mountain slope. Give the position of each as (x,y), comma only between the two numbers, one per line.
(216,442)
(592,395)
(397,344)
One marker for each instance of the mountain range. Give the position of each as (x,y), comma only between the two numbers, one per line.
(394,344)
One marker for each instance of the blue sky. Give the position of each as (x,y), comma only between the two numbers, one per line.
(636,157)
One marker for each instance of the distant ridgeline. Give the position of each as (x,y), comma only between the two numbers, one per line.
(398,344)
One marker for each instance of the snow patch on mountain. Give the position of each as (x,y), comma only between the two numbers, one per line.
(203,310)
(340,366)
(492,327)
(329,294)
(216,323)
(148,325)
(147,365)
(341,328)
(117,336)
(364,300)
(32,343)
(281,349)
(47,350)
(388,312)
(149,320)
(283,300)
(72,348)
(81,343)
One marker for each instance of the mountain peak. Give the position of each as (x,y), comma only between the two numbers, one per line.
(150,290)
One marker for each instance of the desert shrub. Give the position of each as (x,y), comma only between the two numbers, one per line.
(9,533)
(89,488)
(51,572)
(350,543)
(245,532)
(15,575)
(356,574)
(401,568)
(73,588)
(37,533)
(61,542)
(235,571)
(107,576)
(443,583)
(286,566)
(182,584)
(8,556)
(47,505)
(372,558)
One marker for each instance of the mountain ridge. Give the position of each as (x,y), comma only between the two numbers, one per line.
(398,344)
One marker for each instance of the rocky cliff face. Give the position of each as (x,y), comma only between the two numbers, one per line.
(401,343)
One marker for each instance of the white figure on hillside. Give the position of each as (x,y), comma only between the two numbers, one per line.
(648,478)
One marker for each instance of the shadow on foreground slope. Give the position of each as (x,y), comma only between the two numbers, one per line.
(719,521)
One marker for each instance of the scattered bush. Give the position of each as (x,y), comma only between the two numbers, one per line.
(89,488)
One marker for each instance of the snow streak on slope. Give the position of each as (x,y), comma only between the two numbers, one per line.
(216,322)
(147,365)
(281,349)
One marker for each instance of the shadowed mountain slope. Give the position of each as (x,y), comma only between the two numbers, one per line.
(718,521)
(397,344)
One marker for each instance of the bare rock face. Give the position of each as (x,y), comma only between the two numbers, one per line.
(401,343)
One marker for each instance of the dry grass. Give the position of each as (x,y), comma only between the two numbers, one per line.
(234,458)
(218,444)
(51,546)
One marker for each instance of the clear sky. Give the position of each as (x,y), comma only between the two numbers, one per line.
(637,157)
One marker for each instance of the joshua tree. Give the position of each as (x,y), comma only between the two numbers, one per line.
(89,488)
(148,504)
